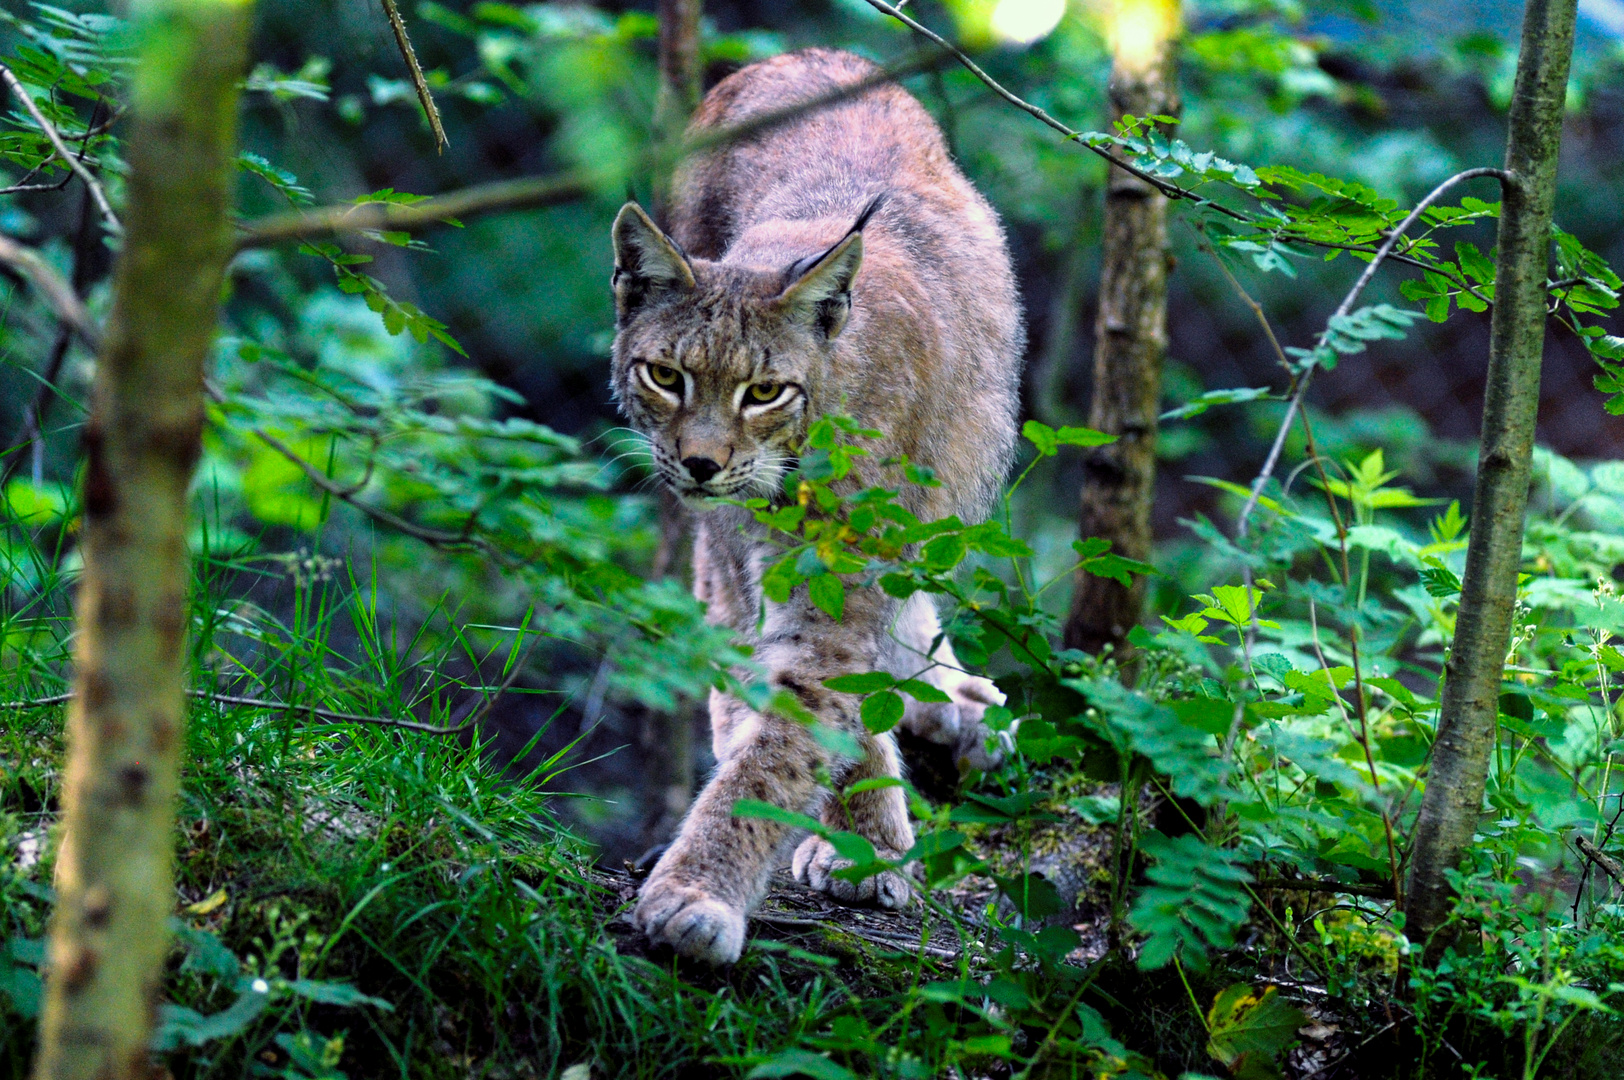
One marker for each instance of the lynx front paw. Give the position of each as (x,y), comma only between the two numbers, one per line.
(815,864)
(690,920)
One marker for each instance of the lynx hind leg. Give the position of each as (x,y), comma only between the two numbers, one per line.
(879,816)
(957,722)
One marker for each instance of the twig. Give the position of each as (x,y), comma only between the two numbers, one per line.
(407,53)
(1343,308)
(540,191)
(886,941)
(1379,892)
(56,292)
(1171,190)
(31,432)
(1589,850)
(37,703)
(346,493)
(62,151)
(527,193)
(315,711)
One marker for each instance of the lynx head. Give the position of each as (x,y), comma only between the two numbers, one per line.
(721,366)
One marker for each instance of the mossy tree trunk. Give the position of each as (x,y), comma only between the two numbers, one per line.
(126,726)
(1130,337)
(1453,801)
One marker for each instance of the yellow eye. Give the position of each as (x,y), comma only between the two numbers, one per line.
(664,376)
(762,392)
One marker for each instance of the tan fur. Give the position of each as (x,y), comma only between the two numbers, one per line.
(908,322)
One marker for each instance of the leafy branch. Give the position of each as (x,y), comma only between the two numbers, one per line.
(77,166)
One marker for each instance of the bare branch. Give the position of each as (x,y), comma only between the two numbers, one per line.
(409,54)
(1171,190)
(346,493)
(528,193)
(1379,892)
(37,703)
(56,292)
(1342,309)
(533,192)
(62,151)
(314,711)
(1589,850)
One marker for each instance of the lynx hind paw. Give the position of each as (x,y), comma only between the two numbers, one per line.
(690,920)
(815,864)
(958,723)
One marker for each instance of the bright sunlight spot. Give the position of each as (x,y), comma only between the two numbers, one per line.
(1138,28)
(1025,21)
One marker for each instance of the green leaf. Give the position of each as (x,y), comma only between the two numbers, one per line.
(882,711)
(944,552)
(1206,401)
(755,808)
(1041,436)
(1196,903)
(1033,895)
(1082,436)
(828,594)
(336,993)
(796,1062)
(862,683)
(922,691)
(179,1026)
(1244,1024)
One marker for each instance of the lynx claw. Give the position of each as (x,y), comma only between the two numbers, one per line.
(815,864)
(690,920)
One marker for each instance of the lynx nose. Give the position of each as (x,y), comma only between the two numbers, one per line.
(701,468)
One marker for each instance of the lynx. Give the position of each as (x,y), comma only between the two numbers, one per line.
(835,263)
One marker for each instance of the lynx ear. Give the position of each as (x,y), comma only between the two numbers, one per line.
(819,289)
(646,261)
(821,296)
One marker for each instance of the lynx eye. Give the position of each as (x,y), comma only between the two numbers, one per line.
(762,392)
(667,378)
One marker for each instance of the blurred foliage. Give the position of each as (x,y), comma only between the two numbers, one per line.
(411,501)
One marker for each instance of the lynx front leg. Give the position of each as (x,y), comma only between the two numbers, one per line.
(879,816)
(716,869)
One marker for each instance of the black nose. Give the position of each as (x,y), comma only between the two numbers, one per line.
(700,468)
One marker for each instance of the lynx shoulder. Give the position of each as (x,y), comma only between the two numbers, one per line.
(835,261)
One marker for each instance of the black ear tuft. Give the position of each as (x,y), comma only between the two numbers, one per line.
(869,211)
(817,289)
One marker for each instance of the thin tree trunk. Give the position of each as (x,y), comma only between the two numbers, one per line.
(1460,757)
(126,726)
(681,77)
(1130,342)
(667,738)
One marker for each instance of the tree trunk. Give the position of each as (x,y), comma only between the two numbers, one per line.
(681,77)
(1460,757)
(1130,340)
(126,726)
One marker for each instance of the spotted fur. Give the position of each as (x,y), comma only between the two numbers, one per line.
(837,263)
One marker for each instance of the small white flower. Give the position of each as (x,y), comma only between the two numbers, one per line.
(260,986)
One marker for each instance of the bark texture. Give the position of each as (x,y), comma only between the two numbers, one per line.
(681,76)
(126,726)
(1130,343)
(1460,758)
